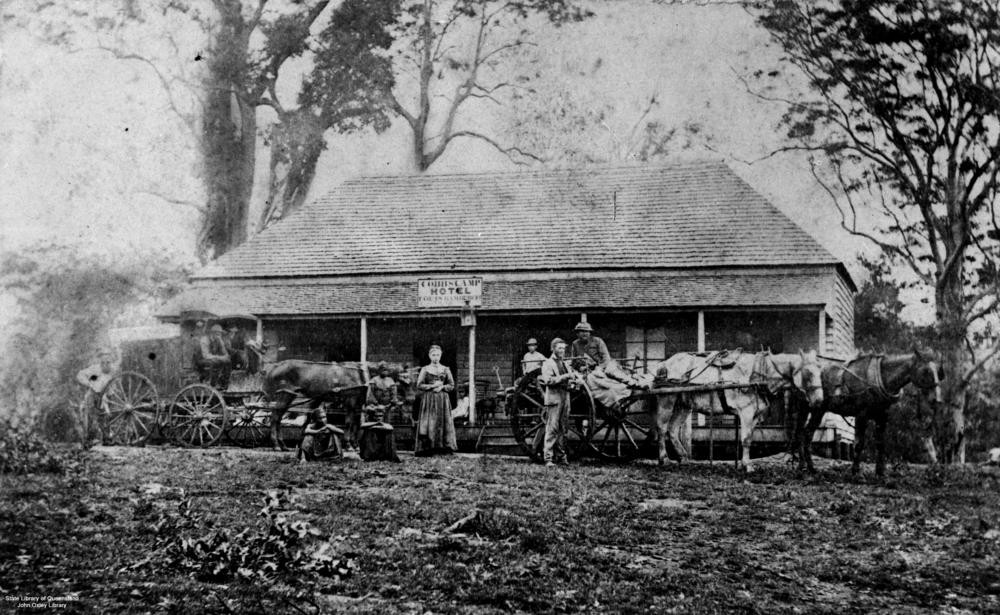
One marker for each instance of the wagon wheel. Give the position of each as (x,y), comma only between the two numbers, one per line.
(526,406)
(582,412)
(250,421)
(128,408)
(622,432)
(129,404)
(197,416)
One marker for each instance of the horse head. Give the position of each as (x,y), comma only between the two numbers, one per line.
(925,374)
(809,378)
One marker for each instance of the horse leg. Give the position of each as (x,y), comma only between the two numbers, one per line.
(802,416)
(661,418)
(880,444)
(682,410)
(352,424)
(748,417)
(861,425)
(815,418)
(277,411)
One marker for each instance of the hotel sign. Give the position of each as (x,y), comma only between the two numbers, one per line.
(449,292)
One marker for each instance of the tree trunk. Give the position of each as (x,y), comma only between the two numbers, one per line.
(229,135)
(228,150)
(954,359)
(296,145)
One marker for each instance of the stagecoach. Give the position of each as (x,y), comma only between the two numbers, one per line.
(159,392)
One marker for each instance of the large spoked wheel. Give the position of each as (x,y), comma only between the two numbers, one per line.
(250,421)
(197,416)
(582,412)
(129,407)
(624,432)
(526,408)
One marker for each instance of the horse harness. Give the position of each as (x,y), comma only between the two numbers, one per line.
(871,381)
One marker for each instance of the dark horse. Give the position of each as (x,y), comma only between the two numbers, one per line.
(346,383)
(865,388)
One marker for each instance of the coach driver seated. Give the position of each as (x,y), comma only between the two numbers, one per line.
(212,359)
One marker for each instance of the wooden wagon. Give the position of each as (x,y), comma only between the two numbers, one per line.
(618,432)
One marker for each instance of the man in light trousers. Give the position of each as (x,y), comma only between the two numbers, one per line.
(555,379)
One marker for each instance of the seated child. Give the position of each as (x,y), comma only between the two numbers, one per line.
(320,440)
(378,441)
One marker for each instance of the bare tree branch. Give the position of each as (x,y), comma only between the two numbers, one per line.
(505,150)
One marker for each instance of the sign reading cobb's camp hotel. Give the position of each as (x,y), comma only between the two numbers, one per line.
(449,292)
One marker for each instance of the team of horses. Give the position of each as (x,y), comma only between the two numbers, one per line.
(864,388)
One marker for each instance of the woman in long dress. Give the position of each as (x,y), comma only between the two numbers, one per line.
(435,430)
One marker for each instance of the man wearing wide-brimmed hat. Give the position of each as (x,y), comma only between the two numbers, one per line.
(607,380)
(589,345)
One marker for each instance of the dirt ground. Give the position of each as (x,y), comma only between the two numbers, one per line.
(138,529)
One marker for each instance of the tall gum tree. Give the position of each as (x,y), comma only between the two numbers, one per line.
(449,53)
(903,120)
(340,92)
(249,47)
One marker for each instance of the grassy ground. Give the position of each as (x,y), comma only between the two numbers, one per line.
(588,538)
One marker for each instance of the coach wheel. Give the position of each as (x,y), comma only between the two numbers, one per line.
(526,407)
(622,433)
(250,421)
(197,416)
(129,405)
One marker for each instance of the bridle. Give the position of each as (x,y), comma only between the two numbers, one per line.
(795,378)
(917,367)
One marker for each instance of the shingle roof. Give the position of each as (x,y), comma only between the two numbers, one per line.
(679,291)
(683,215)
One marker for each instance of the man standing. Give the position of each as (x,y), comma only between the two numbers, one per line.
(96,378)
(556,378)
(212,359)
(532,359)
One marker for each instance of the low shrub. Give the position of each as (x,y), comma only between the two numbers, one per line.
(23,451)
(278,547)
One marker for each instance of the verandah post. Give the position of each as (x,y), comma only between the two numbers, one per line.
(472,375)
(364,340)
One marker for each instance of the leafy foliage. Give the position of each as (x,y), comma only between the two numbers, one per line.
(279,548)
(879,328)
(22,451)
(66,301)
(342,92)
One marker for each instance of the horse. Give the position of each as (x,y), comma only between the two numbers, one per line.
(765,375)
(346,383)
(865,388)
